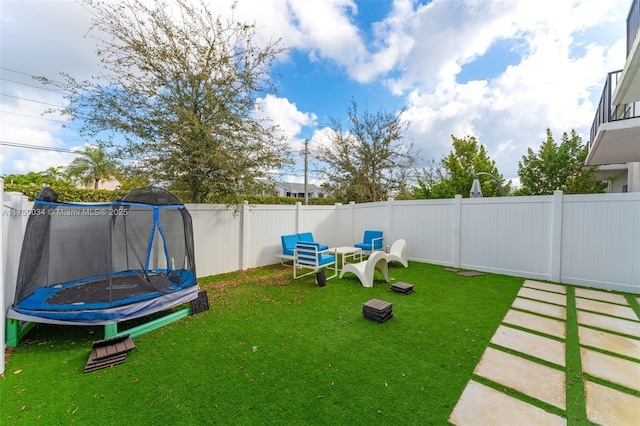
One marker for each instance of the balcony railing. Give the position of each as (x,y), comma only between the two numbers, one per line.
(603,112)
(607,111)
(633,23)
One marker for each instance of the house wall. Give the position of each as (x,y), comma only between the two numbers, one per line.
(633,178)
(618,183)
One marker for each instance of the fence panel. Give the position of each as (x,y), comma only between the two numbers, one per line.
(217,239)
(507,235)
(601,241)
(321,221)
(265,225)
(428,227)
(373,216)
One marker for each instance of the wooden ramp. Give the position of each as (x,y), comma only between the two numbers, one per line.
(109,352)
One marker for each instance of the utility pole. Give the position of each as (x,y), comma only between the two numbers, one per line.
(306,171)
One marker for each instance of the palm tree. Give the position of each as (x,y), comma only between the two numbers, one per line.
(93,165)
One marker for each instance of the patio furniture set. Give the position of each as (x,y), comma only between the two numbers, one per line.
(362,259)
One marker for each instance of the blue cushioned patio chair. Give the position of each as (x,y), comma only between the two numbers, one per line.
(288,248)
(371,242)
(308,256)
(307,237)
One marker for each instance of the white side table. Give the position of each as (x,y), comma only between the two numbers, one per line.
(347,252)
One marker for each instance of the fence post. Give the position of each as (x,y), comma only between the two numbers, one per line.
(3,319)
(556,237)
(457,207)
(390,201)
(245,231)
(16,224)
(298,214)
(352,222)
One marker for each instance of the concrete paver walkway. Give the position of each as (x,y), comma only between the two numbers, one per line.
(534,331)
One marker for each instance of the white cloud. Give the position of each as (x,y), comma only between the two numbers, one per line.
(550,87)
(285,114)
(22,123)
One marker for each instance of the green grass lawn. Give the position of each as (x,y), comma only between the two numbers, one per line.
(273,351)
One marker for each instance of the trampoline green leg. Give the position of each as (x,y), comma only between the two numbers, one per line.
(110,330)
(15,332)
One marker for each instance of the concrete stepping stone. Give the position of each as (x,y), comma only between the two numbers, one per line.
(555,288)
(606,406)
(537,323)
(482,405)
(603,296)
(544,296)
(530,378)
(540,308)
(617,325)
(611,368)
(609,342)
(606,308)
(530,344)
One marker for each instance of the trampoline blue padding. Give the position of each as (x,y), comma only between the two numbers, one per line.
(100,293)
(107,316)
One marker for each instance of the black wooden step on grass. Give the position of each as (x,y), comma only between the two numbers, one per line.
(377,310)
(109,352)
(402,288)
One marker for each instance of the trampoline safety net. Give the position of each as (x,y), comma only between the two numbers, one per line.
(107,262)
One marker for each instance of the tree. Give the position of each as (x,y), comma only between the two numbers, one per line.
(558,167)
(131,177)
(93,165)
(180,86)
(455,173)
(427,178)
(368,161)
(51,176)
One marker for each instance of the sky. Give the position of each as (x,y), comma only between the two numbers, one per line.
(500,70)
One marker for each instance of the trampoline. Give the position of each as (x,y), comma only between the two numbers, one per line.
(91,264)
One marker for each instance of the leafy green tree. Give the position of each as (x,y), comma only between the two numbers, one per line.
(427,178)
(180,86)
(456,172)
(51,176)
(368,161)
(93,165)
(131,177)
(558,166)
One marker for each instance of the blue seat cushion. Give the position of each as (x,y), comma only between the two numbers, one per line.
(323,259)
(307,237)
(368,240)
(289,244)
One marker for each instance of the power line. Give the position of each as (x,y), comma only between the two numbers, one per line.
(24,73)
(31,100)
(36,117)
(41,148)
(33,85)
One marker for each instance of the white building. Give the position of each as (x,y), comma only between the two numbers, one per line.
(296,190)
(615,132)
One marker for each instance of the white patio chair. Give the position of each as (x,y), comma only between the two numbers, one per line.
(398,253)
(307,256)
(365,270)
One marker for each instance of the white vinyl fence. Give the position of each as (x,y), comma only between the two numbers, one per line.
(588,240)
